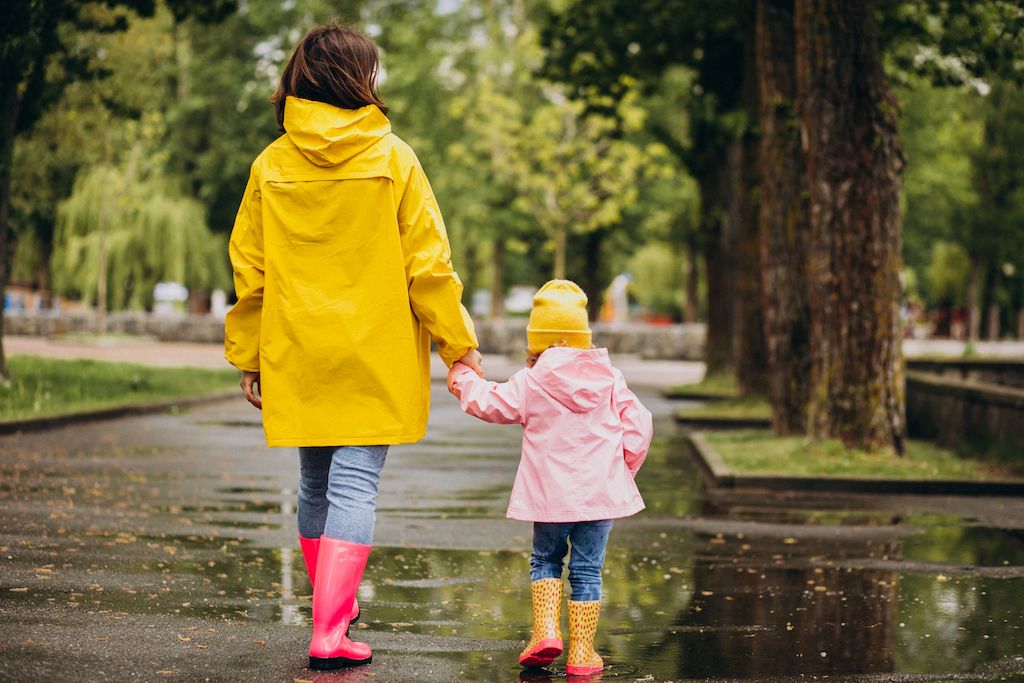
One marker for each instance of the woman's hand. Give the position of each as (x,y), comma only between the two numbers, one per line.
(250,387)
(472,360)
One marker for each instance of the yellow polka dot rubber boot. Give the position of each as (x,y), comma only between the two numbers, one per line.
(546,641)
(583,616)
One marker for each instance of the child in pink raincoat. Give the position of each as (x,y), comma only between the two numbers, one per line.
(585,435)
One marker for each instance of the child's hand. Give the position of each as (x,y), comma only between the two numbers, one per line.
(457,367)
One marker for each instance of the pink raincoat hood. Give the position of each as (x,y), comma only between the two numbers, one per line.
(579,380)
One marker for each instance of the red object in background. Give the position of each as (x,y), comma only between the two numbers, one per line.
(660,320)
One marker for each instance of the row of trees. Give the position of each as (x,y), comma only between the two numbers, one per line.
(796,152)
(740,156)
(143,121)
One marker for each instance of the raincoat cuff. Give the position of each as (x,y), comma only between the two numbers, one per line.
(450,355)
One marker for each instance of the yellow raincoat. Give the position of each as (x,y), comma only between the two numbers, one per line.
(343,274)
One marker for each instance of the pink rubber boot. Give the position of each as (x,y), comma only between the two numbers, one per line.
(310,548)
(339,568)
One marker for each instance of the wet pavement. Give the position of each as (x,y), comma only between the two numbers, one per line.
(163,548)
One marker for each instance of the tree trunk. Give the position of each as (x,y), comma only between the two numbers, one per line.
(847,120)
(992,322)
(9,110)
(560,248)
(785,230)
(718,267)
(972,303)
(749,341)
(592,276)
(691,305)
(498,279)
(989,303)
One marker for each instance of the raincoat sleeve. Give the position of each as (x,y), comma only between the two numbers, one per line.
(490,401)
(637,426)
(435,290)
(242,325)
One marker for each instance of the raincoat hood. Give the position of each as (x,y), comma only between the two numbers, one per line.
(328,135)
(579,379)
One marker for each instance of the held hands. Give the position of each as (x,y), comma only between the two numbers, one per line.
(472,360)
(250,387)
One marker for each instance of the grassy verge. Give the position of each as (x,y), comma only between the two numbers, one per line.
(760,452)
(716,386)
(47,386)
(745,408)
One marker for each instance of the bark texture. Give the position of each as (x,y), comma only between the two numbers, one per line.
(719,265)
(785,231)
(751,351)
(848,124)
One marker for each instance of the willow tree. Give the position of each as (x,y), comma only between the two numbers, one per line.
(119,234)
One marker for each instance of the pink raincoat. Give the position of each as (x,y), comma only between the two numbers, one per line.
(585,435)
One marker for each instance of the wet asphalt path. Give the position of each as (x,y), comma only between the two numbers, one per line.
(163,548)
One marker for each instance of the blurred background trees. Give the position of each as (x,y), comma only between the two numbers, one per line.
(584,138)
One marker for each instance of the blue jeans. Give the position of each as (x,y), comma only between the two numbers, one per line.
(338,491)
(588,541)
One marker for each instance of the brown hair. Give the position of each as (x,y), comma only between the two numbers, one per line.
(334,64)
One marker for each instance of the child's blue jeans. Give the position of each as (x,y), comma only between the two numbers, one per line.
(588,541)
(338,491)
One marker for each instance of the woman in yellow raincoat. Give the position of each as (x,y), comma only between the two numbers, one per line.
(343,274)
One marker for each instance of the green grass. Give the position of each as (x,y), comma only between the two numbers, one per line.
(753,407)
(760,452)
(46,386)
(718,386)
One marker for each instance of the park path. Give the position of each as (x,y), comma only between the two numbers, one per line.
(654,374)
(162,548)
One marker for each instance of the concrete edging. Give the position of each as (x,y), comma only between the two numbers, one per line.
(33,424)
(714,468)
(720,422)
(670,394)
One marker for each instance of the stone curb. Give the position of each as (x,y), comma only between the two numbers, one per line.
(670,394)
(33,424)
(714,468)
(715,422)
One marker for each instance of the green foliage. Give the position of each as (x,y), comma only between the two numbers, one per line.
(758,452)
(657,272)
(48,386)
(947,274)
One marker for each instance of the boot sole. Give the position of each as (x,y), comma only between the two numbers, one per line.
(572,670)
(332,663)
(542,656)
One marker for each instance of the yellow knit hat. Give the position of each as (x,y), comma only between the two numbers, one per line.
(559,317)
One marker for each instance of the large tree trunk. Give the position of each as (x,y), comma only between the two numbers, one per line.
(592,276)
(719,266)
(847,118)
(750,348)
(785,231)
